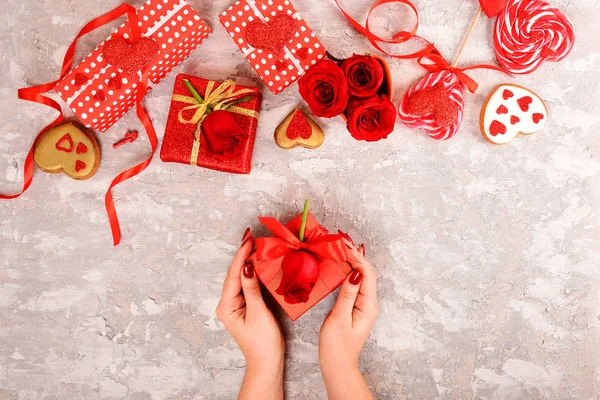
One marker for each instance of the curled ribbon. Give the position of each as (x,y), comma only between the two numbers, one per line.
(319,243)
(221,98)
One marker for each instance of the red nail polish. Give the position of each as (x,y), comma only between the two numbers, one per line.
(356,277)
(362,249)
(247,234)
(248,271)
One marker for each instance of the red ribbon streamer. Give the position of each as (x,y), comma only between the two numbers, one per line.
(35,94)
(439,63)
(491,8)
(320,244)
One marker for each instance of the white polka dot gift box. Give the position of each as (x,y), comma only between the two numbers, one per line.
(274,38)
(102,88)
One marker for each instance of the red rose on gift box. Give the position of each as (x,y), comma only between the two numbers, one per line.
(325,89)
(364,74)
(223,135)
(300,274)
(371,119)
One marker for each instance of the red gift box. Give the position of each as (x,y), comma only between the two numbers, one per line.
(184,141)
(100,93)
(282,49)
(331,252)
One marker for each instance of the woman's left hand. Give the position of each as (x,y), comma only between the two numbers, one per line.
(253,326)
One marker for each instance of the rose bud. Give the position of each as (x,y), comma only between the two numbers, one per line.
(223,135)
(300,274)
(364,74)
(325,89)
(371,119)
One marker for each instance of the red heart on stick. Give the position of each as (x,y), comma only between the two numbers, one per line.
(272,37)
(434,101)
(130,58)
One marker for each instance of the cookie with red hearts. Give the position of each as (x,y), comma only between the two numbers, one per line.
(298,129)
(68,148)
(511,110)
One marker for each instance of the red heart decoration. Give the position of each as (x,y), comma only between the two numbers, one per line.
(302,53)
(497,128)
(79,165)
(81,79)
(502,110)
(272,37)
(115,82)
(507,94)
(281,65)
(81,148)
(514,119)
(130,58)
(299,127)
(65,144)
(100,96)
(434,101)
(524,103)
(537,117)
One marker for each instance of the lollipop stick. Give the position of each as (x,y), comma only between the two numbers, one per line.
(464,43)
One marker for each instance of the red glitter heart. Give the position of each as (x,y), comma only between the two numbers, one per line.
(299,127)
(302,53)
(514,119)
(130,58)
(537,117)
(100,96)
(81,148)
(524,103)
(497,128)
(115,82)
(281,65)
(81,79)
(434,101)
(547,52)
(507,94)
(502,110)
(79,165)
(65,144)
(272,37)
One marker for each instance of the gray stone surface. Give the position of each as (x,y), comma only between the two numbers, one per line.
(487,257)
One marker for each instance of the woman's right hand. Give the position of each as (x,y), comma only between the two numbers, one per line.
(346,330)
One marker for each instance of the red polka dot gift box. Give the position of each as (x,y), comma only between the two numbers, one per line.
(274,38)
(102,88)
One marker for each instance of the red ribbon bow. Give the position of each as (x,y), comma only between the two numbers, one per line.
(439,63)
(491,8)
(319,243)
(35,94)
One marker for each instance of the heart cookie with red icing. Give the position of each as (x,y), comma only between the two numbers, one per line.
(512,110)
(130,57)
(68,148)
(297,129)
(272,37)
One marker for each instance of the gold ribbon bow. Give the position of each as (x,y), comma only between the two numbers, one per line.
(214,99)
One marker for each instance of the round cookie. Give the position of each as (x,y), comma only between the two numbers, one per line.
(509,111)
(68,148)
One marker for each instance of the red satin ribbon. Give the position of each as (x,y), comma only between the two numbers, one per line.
(439,63)
(34,94)
(325,246)
(398,38)
(491,8)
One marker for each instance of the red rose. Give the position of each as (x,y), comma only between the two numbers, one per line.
(371,119)
(300,274)
(325,89)
(364,74)
(223,135)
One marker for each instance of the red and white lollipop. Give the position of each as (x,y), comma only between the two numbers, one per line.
(434,105)
(530,32)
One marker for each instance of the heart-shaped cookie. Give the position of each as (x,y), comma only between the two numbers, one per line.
(526,114)
(130,57)
(434,101)
(272,37)
(68,148)
(297,129)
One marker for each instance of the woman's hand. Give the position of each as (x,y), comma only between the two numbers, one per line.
(346,330)
(253,327)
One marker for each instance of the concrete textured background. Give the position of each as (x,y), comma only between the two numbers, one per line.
(487,257)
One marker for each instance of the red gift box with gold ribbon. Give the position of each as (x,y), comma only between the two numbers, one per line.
(330,251)
(227,146)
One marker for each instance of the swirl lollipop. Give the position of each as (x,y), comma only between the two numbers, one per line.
(434,105)
(530,32)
